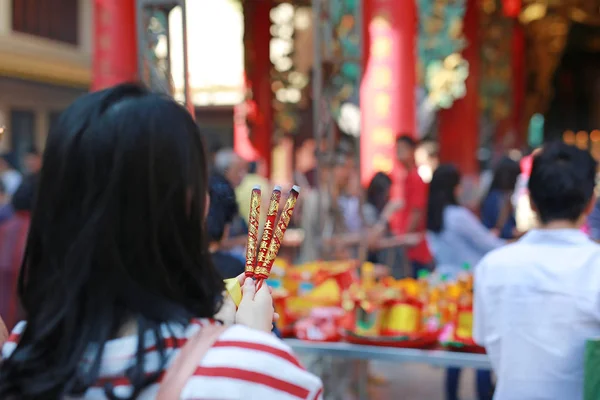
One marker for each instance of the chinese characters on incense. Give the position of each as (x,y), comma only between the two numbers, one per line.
(272,233)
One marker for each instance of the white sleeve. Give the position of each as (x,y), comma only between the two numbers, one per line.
(479,305)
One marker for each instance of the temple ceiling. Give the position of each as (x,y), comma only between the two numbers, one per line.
(547,24)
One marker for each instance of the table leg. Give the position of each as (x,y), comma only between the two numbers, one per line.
(363,380)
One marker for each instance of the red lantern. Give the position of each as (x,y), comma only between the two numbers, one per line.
(512,8)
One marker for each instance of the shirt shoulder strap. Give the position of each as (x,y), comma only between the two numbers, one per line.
(186,362)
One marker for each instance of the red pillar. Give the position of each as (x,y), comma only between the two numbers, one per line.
(518,89)
(387,92)
(253,120)
(459,126)
(115,43)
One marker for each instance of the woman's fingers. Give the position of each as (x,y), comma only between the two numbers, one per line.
(249,288)
(241,278)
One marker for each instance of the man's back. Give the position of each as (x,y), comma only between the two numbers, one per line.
(537,302)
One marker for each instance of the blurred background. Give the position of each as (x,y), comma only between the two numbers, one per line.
(464,75)
(280,83)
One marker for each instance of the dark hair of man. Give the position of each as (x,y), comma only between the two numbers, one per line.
(117,235)
(562,182)
(407,139)
(2,188)
(223,208)
(442,193)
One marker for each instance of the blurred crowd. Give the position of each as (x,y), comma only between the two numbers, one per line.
(336,218)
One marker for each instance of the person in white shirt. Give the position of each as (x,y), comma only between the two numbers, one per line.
(537,301)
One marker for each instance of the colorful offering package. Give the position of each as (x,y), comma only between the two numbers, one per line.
(253,219)
(277,239)
(260,271)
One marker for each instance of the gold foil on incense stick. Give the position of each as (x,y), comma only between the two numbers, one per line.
(267,235)
(277,240)
(253,220)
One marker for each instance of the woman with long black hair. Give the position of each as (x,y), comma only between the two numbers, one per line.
(497,210)
(117,273)
(456,237)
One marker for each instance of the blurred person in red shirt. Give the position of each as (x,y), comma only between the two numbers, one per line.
(412,218)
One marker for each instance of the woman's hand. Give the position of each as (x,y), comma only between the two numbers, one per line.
(256,308)
(228,309)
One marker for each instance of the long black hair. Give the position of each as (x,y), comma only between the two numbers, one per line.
(506,174)
(378,192)
(442,193)
(117,235)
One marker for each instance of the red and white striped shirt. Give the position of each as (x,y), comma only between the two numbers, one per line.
(242,364)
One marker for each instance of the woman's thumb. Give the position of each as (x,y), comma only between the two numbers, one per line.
(249,289)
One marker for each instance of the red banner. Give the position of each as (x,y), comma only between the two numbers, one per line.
(252,128)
